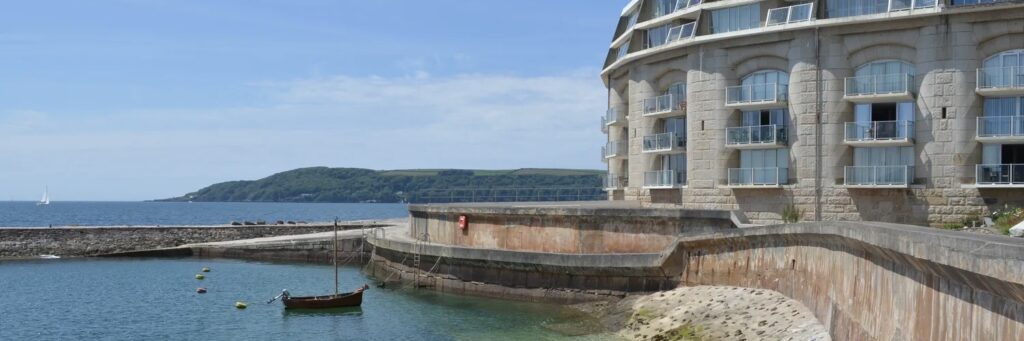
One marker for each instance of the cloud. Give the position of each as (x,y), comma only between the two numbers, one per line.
(419,120)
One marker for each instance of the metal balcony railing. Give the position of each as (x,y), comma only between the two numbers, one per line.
(897,83)
(614,181)
(664,179)
(1006,174)
(1001,78)
(880,131)
(614,149)
(879,175)
(1001,126)
(758,176)
(756,135)
(790,14)
(663,142)
(664,104)
(756,93)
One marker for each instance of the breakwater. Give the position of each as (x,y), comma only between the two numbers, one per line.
(81,242)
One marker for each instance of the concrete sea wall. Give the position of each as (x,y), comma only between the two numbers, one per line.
(75,242)
(562,229)
(873,281)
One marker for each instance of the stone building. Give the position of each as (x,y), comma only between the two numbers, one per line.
(908,111)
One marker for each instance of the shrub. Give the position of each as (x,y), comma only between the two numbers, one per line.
(792,214)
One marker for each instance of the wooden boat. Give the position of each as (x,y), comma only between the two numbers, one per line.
(338,300)
(351,299)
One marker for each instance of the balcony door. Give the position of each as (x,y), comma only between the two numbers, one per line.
(767,166)
(883,120)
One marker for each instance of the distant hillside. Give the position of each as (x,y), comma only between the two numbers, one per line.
(346,185)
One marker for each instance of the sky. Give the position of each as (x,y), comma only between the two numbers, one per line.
(146,99)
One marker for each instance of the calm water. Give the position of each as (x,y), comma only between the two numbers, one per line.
(155,299)
(27,214)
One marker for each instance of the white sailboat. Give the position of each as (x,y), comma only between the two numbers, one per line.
(46,197)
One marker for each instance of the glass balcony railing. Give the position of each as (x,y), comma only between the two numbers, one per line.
(879,131)
(790,14)
(664,104)
(614,149)
(956,3)
(664,179)
(614,116)
(666,7)
(879,175)
(870,85)
(1001,126)
(1001,78)
(756,93)
(663,142)
(756,135)
(758,176)
(614,181)
(1006,175)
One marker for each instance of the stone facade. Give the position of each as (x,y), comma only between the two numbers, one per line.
(945,44)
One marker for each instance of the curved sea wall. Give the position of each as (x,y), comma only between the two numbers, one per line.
(566,228)
(873,281)
(863,281)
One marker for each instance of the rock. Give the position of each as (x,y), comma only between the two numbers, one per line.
(248,223)
(280,222)
(235,223)
(261,222)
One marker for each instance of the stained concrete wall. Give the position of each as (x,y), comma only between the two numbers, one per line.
(873,281)
(561,229)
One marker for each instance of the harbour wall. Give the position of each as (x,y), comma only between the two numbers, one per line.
(83,242)
(863,281)
(562,228)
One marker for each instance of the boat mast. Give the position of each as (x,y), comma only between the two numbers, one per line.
(335,256)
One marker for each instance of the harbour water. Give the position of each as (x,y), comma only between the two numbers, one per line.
(63,213)
(156,299)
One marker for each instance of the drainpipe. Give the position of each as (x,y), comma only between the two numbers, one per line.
(817,130)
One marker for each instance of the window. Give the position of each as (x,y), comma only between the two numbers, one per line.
(622,50)
(881,77)
(764,117)
(1003,117)
(760,86)
(677,90)
(1004,70)
(1004,106)
(736,18)
(848,8)
(665,7)
(677,126)
(883,156)
(631,20)
(974,2)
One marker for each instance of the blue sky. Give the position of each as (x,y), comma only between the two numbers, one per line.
(143,99)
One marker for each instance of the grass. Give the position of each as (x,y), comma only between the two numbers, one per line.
(792,214)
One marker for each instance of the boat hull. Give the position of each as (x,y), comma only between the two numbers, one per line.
(352,299)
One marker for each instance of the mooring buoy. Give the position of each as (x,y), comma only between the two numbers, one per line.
(200,290)
(200,276)
(206,269)
(241,305)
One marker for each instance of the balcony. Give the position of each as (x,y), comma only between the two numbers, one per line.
(612,117)
(879,176)
(614,150)
(664,179)
(879,133)
(756,137)
(879,88)
(667,143)
(614,182)
(758,177)
(1001,81)
(665,106)
(757,96)
(1000,176)
(1001,129)
(790,14)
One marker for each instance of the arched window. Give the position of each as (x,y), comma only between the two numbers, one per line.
(761,86)
(1003,70)
(882,77)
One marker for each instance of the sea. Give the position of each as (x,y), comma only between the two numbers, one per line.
(72,213)
(156,298)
